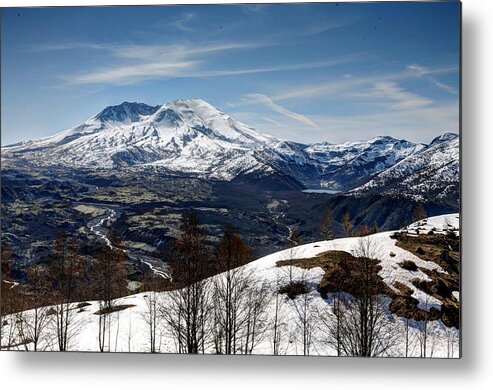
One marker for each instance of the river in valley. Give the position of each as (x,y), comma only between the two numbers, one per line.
(99,226)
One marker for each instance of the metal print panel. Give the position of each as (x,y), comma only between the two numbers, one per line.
(274,179)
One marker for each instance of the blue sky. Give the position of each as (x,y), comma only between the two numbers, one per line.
(304,72)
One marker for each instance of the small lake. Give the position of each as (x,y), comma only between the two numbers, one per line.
(320,191)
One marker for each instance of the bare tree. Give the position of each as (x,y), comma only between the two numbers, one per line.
(346,223)
(12,306)
(362,326)
(66,271)
(188,307)
(256,320)
(151,316)
(305,317)
(10,302)
(110,272)
(32,324)
(423,328)
(406,336)
(240,300)
(232,291)
(331,322)
(278,321)
(327,225)
(109,282)
(419,212)
(451,338)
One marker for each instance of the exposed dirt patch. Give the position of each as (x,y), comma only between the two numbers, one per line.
(107,310)
(409,265)
(343,272)
(293,289)
(404,290)
(444,251)
(438,248)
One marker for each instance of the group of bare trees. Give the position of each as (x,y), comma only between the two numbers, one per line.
(109,280)
(327,231)
(230,313)
(358,324)
(41,312)
(188,308)
(225,314)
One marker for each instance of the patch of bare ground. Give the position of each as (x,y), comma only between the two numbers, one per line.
(442,250)
(107,310)
(343,272)
(406,306)
(293,289)
(409,265)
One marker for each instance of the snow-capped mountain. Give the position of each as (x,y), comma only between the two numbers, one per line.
(184,136)
(432,171)
(190,136)
(351,163)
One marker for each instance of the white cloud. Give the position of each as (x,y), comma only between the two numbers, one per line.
(353,84)
(400,99)
(131,64)
(422,71)
(257,98)
(417,125)
(124,75)
(184,22)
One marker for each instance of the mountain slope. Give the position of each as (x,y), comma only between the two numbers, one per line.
(351,163)
(432,171)
(192,137)
(185,136)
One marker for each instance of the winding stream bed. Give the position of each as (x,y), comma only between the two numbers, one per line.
(98,226)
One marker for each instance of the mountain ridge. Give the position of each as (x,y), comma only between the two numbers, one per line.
(191,136)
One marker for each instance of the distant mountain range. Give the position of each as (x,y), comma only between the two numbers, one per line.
(191,137)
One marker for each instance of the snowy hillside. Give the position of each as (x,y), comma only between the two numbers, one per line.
(129,329)
(192,137)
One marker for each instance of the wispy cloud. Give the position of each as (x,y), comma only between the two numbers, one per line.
(125,75)
(184,22)
(416,124)
(257,98)
(136,51)
(373,105)
(419,124)
(352,84)
(131,64)
(428,74)
(400,99)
